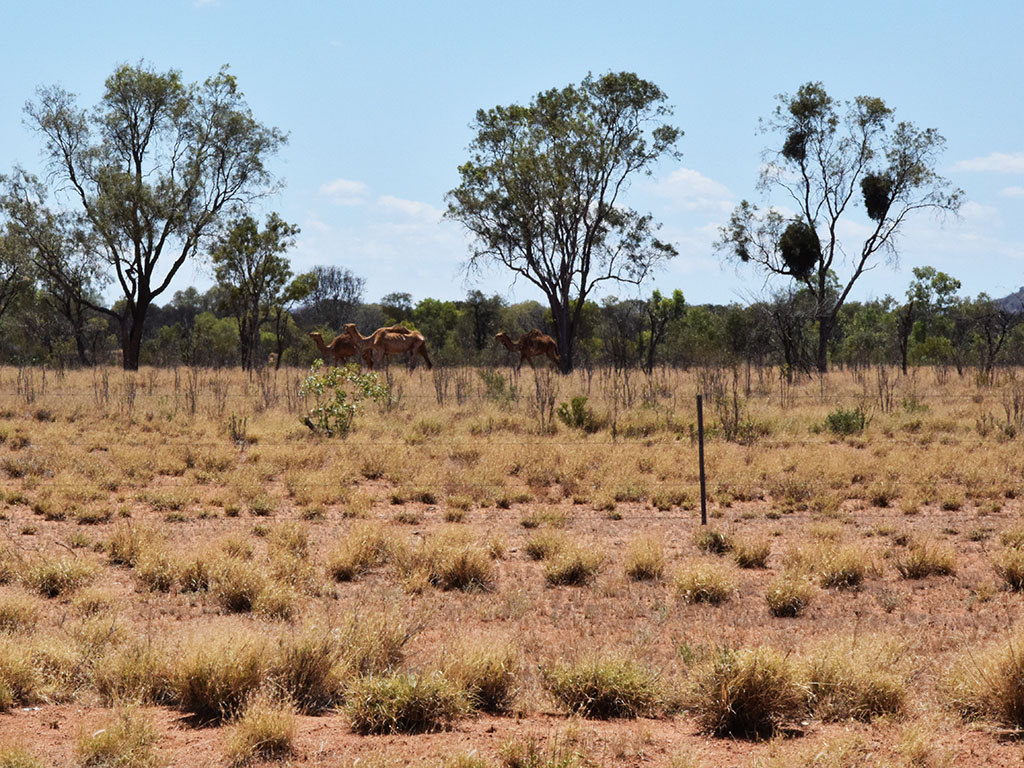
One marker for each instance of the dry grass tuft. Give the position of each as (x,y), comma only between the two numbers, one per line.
(713,541)
(52,577)
(747,693)
(368,545)
(1009,566)
(265,731)
(573,567)
(604,687)
(135,672)
(217,673)
(126,741)
(705,582)
(14,756)
(19,612)
(856,678)
(988,683)
(925,558)
(790,593)
(404,703)
(645,558)
(487,670)
(751,553)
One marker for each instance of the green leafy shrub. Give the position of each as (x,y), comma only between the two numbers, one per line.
(576,415)
(850,421)
(337,396)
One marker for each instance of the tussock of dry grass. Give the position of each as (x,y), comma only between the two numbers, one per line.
(487,670)
(746,693)
(856,677)
(604,686)
(645,558)
(126,741)
(404,703)
(705,582)
(265,731)
(988,683)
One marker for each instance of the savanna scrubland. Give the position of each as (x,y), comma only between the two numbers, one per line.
(508,569)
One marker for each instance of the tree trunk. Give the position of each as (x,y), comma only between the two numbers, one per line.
(131,336)
(825,325)
(563,332)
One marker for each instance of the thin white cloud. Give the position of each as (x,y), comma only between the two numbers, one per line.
(997,162)
(345,192)
(1012,192)
(412,208)
(690,190)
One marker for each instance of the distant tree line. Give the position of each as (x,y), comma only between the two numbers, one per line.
(931,324)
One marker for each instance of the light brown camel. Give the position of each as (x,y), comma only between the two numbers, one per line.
(339,350)
(530,345)
(390,341)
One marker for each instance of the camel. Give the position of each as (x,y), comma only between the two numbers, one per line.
(530,345)
(339,350)
(390,341)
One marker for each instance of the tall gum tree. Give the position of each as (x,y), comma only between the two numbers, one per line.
(149,172)
(541,192)
(830,159)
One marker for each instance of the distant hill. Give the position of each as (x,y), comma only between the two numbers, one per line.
(1014,302)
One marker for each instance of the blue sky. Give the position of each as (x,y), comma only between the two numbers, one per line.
(377,99)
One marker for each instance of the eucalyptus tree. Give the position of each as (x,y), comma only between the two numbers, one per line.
(827,160)
(252,267)
(148,174)
(542,191)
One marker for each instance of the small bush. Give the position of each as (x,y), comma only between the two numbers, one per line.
(923,559)
(603,687)
(846,422)
(403,703)
(576,415)
(789,594)
(712,541)
(487,671)
(573,567)
(746,693)
(645,559)
(265,731)
(705,583)
(125,742)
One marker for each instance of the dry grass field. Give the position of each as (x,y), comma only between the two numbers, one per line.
(480,576)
